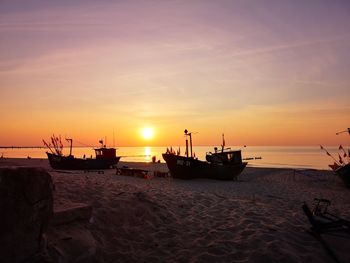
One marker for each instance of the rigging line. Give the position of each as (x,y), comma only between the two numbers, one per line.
(84,144)
(142,155)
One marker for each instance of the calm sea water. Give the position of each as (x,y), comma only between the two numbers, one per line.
(272,156)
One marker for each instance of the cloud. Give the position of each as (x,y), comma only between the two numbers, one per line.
(289,46)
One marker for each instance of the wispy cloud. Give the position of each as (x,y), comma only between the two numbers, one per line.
(289,46)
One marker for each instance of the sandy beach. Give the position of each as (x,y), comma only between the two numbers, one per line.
(255,219)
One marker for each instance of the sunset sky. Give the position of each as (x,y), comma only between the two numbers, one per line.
(264,72)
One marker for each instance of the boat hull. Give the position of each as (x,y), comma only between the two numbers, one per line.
(344,173)
(72,163)
(189,168)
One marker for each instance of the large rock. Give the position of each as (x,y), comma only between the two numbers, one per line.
(26,206)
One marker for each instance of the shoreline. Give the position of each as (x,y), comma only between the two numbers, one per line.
(42,161)
(296,157)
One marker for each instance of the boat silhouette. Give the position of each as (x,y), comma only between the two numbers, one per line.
(341,167)
(105,157)
(220,165)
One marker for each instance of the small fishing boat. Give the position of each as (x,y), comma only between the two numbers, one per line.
(105,157)
(224,165)
(341,167)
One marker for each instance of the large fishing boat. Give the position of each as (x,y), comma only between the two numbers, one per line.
(220,165)
(105,157)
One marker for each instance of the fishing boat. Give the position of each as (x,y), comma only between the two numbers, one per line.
(223,165)
(341,167)
(344,173)
(105,157)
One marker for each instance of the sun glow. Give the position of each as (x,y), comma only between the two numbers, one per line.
(147,133)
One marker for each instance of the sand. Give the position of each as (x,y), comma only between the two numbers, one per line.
(255,219)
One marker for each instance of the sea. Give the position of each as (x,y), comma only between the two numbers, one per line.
(303,157)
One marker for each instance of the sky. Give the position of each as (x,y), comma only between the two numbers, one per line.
(264,72)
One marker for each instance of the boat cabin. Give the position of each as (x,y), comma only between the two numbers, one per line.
(228,157)
(105,153)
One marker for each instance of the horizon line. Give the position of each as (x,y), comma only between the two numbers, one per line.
(96,146)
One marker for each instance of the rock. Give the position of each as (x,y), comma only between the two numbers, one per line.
(26,206)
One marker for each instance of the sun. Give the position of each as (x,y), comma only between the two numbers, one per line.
(147,133)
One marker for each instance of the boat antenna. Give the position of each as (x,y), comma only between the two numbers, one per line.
(348,131)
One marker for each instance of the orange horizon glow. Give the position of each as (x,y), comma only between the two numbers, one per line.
(238,137)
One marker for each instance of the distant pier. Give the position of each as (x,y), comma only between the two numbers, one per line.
(22,147)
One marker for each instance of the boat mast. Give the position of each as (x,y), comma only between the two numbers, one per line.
(190,135)
(186,143)
(70,148)
(223,143)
